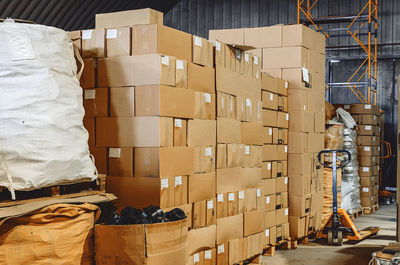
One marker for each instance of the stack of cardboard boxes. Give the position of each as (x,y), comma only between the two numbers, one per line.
(368,142)
(275,155)
(240,228)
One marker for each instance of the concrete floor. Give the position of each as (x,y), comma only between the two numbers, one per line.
(351,253)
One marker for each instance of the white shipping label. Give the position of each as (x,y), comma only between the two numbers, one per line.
(286,84)
(210,204)
(379,148)
(364,189)
(165,60)
(222,102)
(242,107)
(90,94)
(207,98)
(367,106)
(197,41)
(367,148)
(164,184)
(238,54)
(207,151)
(241,194)
(368,127)
(178,123)
(231,103)
(286,180)
(111,33)
(218,46)
(358,201)
(267,199)
(258,192)
(374,118)
(269,166)
(207,254)
(305,75)
(220,249)
(179,65)
(346,106)
(365,169)
(247,150)
(87,34)
(246,57)
(270,131)
(287,117)
(231,196)
(196,258)
(178,181)
(255,59)
(285,148)
(266,232)
(220,197)
(271,96)
(114,152)
(286,211)
(248,102)
(373,139)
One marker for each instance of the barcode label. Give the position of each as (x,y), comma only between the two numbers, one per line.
(114,152)
(267,199)
(270,131)
(178,181)
(178,123)
(164,60)
(258,193)
(210,204)
(367,106)
(246,57)
(271,96)
(87,34)
(365,189)
(179,65)
(221,249)
(197,41)
(246,150)
(367,148)
(269,166)
(231,196)
(164,184)
(365,169)
(90,94)
(207,98)
(241,194)
(207,254)
(196,258)
(111,34)
(207,151)
(266,232)
(368,127)
(220,197)
(218,46)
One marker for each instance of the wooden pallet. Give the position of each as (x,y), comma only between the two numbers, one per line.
(369,210)
(253,260)
(357,214)
(57,191)
(283,244)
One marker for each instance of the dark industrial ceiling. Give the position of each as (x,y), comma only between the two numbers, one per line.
(73,14)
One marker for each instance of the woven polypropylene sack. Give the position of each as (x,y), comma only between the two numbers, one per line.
(42,138)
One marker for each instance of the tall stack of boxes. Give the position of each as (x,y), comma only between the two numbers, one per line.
(368,143)
(275,154)
(240,228)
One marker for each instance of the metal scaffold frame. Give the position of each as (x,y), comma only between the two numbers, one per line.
(364,79)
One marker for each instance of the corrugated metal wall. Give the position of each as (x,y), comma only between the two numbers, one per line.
(199,16)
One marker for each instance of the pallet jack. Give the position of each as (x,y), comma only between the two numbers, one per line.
(339,224)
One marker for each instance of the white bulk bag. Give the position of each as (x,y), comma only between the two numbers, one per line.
(42,138)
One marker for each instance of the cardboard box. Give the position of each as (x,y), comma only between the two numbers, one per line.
(229,228)
(364,109)
(283,103)
(134,132)
(252,133)
(228,36)
(251,178)
(202,238)
(89,74)
(93,43)
(154,238)
(199,50)
(319,125)
(252,222)
(281,152)
(199,214)
(368,160)
(227,81)
(270,118)
(366,191)
(269,100)
(160,100)
(317,201)
(300,164)
(265,37)
(221,156)
(165,161)
(120,162)
(181,73)
(141,192)
(315,142)
(282,216)
(267,169)
(118,42)
(298,35)
(232,203)
(272,235)
(287,57)
(222,205)
(95,102)
(282,119)
(228,131)
(270,219)
(211,215)
(180,189)
(298,143)
(100,155)
(270,202)
(248,64)
(129,18)
(367,140)
(268,135)
(298,100)
(122,101)
(367,130)
(201,78)
(297,226)
(204,159)
(301,121)
(368,119)
(316,62)
(299,205)
(180,128)
(204,106)
(297,78)
(282,184)
(156,38)
(149,69)
(269,186)
(366,151)
(274,85)
(229,179)
(299,185)
(201,133)
(250,200)
(234,155)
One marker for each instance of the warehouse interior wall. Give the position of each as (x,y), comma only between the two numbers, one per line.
(199,16)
